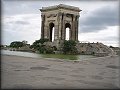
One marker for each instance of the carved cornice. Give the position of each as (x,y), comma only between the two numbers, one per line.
(60,6)
(51,15)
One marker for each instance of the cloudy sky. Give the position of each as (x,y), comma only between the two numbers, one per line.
(98,22)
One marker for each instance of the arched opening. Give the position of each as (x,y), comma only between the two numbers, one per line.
(67,31)
(51,25)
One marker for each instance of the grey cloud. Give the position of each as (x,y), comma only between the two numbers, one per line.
(14,7)
(100,19)
(110,38)
(17,22)
(21,22)
(91,28)
(19,7)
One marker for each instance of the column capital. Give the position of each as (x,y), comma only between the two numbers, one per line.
(42,15)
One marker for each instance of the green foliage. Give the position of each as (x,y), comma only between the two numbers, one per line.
(41,49)
(39,46)
(69,47)
(16,44)
(48,49)
(38,43)
(54,48)
(45,49)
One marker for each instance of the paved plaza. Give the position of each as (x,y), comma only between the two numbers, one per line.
(33,73)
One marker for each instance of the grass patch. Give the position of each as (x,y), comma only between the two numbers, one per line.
(60,56)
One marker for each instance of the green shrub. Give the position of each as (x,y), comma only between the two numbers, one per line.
(39,46)
(69,47)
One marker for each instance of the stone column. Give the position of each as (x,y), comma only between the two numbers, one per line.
(45,29)
(60,25)
(77,25)
(56,32)
(42,26)
(46,33)
(73,28)
(63,27)
(70,32)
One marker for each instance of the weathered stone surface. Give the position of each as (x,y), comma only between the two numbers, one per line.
(60,17)
(98,49)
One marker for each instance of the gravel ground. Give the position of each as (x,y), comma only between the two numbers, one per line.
(32,73)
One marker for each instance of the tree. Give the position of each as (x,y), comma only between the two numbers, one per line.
(69,47)
(16,44)
(38,46)
(38,43)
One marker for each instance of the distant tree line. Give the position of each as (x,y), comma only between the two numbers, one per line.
(16,44)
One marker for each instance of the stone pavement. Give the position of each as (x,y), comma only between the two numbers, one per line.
(33,73)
